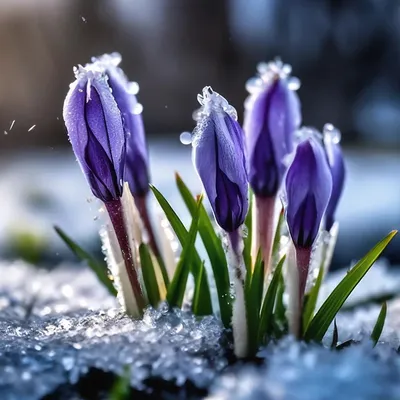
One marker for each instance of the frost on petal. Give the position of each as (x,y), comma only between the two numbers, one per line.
(219,157)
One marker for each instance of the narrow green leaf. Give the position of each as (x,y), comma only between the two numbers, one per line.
(215,252)
(197,296)
(177,287)
(253,296)
(380,322)
(248,239)
(182,235)
(122,386)
(277,237)
(335,336)
(149,275)
(99,268)
(325,315)
(280,309)
(312,298)
(266,320)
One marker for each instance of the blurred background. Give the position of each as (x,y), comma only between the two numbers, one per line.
(346,53)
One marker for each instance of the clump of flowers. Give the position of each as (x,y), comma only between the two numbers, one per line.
(273,188)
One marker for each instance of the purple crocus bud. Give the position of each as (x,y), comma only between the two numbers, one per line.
(336,164)
(124,92)
(95,129)
(308,189)
(272,114)
(218,155)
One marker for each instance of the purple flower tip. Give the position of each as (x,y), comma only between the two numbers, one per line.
(272,115)
(308,189)
(336,164)
(124,92)
(218,155)
(94,126)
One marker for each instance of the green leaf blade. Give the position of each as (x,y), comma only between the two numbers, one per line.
(312,299)
(327,312)
(215,252)
(177,287)
(182,235)
(266,320)
(149,275)
(380,322)
(99,268)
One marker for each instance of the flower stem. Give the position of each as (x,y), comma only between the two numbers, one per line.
(115,211)
(239,318)
(264,230)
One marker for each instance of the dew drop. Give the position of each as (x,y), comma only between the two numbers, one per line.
(294,83)
(133,88)
(137,109)
(186,138)
(331,133)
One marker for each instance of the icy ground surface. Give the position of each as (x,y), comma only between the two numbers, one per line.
(55,326)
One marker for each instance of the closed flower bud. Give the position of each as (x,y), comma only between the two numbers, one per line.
(95,129)
(218,155)
(272,114)
(336,165)
(308,189)
(124,92)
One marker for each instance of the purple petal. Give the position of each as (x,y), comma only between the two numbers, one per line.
(94,126)
(337,167)
(270,123)
(308,189)
(218,154)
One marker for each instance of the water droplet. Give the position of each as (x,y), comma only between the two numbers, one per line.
(186,138)
(26,376)
(5,132)
(32,128)
(294,83)
(137,109)
(254,84)
(84,19)
(12,124)
(331,133)
(133,88)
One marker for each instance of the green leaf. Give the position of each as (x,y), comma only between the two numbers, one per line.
(253,296)
(215,252)
(122,386)
(149,275)
(197,296)
(335,336)
(177,287)
(312,297)
(266,316)
(380,322)
(204,304)
(99,268)
(277,237)
(248,239)
(325,315)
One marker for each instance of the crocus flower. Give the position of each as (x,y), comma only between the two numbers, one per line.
(271,117)
(308,190)
(336,165)
(95,129)
(218,155)
(124,92)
